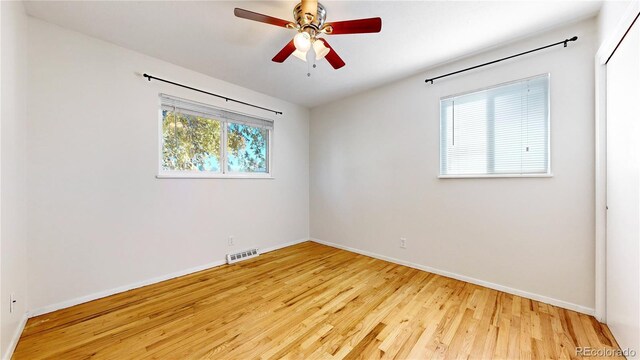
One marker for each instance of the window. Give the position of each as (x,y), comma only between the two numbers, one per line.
(192,138)
(498,131)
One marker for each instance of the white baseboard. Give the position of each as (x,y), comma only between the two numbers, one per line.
(522,293)
(283,245)
(15,338)
(157,279)
(113,291)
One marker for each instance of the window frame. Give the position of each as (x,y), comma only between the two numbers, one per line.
(548,174)
(223,174)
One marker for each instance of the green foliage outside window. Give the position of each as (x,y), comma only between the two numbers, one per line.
(193,143)
(247,148)
(190,142)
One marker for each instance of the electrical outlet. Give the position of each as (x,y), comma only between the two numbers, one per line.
(12,302)
(230,241)
(403,243)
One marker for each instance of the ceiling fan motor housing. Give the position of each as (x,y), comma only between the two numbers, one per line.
(312,21)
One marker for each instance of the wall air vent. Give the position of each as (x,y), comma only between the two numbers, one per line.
(242,255)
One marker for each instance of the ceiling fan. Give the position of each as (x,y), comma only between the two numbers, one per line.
(310,23)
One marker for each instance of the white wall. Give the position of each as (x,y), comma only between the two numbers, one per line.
(375,162)
(610,16)
(99,219)
(13,233)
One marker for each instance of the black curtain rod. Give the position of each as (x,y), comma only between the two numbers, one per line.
(149,77)
(565,41)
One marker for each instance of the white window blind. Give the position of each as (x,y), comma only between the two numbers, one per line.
(502,130)
(171,103)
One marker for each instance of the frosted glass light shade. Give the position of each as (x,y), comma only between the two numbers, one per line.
(302,55)
(320,50)
(302,41)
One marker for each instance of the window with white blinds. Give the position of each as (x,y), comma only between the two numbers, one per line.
(199,140)
(501,130)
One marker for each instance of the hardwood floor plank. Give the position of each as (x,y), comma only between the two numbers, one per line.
(311,301)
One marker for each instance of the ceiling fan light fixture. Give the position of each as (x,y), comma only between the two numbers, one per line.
(320,49)
(310,21)
(302,41)
(302,55)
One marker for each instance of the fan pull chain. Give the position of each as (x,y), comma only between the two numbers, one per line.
(314,66)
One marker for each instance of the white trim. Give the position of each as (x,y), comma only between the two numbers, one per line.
(522,293)
(98,295)
(495,176)
(600,191)
(283,245)
(604,52)
(204,175)
(16,337)
(139,284)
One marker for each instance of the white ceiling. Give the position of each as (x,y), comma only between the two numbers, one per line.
(208,38)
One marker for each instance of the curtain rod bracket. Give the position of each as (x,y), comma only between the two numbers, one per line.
(226,99)
(565,42)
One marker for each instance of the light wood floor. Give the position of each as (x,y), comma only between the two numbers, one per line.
(311,301)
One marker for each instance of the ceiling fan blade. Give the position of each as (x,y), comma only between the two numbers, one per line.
(360,26)
(310,9)
(250,15)
(332,57)
(286,51)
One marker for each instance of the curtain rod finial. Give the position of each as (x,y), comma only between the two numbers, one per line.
(572,39)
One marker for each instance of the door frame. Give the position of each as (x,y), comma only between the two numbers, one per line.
(607,48)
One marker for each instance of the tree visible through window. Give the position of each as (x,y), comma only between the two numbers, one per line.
(190,142)
(247,148)
(193,134)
